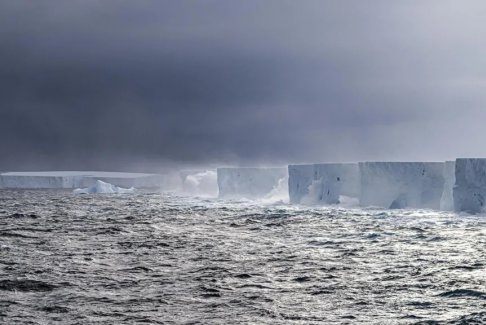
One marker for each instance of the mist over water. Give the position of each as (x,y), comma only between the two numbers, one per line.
(164,259)
(202,183)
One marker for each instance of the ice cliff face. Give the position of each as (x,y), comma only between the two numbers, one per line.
(38,180)
(300,179)
(322,183)
(402,184)
(249,182)
(470,187)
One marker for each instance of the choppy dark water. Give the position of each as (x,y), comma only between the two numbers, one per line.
(152,258)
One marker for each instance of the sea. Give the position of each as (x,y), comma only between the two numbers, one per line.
(162,258)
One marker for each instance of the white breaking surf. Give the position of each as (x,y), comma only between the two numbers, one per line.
(279,194)
(202,183)
(249,182)
(103,188)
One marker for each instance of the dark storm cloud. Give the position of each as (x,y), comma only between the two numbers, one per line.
(97,84)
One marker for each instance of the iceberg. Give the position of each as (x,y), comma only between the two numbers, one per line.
(249,182)
(469,191)
(398,185)
(33,180)
(323,183)
(103,188)
(75,179)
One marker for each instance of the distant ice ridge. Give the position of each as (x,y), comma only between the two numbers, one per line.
(470,186)
(103,188)
(249,182)
(74,179)
(323,183)
(398,185)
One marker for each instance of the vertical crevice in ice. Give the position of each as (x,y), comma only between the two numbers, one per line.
(447,199)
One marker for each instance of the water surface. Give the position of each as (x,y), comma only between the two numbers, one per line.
(153,258)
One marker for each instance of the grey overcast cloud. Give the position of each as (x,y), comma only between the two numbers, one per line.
(140,84)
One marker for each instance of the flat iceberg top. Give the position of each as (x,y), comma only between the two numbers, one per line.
(402,163)
(78,173)
(251,169)
(324,164)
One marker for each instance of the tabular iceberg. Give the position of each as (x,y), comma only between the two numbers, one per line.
(470,187)
(34,180)
(73,179)
(103,188)
(402,184)
(323,183)
(249,182)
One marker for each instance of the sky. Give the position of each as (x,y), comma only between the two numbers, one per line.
(137,85)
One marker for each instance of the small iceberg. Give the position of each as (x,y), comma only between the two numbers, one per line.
(104,188)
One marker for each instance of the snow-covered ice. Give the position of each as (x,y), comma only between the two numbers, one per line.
(103,188)
(249,182)
(323,183)
(402,184)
